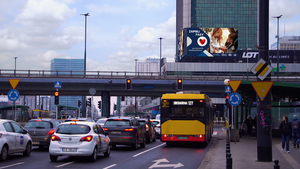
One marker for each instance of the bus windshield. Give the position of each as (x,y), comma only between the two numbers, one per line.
(186,112)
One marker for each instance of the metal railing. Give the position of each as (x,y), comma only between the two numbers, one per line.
(11,73)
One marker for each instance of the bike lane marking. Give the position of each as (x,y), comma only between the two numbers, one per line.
(110,166)
(64,164)
(148,150)
(12,165)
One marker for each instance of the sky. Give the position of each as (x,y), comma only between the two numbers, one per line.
(118,31)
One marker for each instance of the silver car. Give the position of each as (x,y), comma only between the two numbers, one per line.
(79,139)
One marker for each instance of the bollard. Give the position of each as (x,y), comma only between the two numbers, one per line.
(229,161)
(227,150)
(276,166)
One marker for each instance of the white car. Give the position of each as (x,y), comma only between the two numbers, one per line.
(13,139)
(79,139)
(101,121)
(156,122)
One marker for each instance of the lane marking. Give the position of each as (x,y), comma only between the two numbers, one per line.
(12,165)
(64,164)
(148,150)
(110,166)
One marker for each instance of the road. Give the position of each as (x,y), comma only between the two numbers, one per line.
(154,155)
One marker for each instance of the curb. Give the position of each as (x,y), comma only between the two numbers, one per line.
(205,163)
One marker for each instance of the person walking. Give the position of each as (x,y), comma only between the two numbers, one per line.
(285,128)
(295,122)
(249,123)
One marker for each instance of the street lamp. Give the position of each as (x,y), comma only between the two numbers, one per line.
(277,44)
(160,38)
(85,15)
(135,65)
(15,62)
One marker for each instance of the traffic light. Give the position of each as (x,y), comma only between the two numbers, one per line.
(128,84)
(110,84)
(99,104)
(79,103)
(115,107)
(226,101)
(56,98)
(179,84)
(174,85)
(88,102)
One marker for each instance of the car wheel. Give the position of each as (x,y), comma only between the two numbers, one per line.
(4,153)
(27,150)
(93,157)
(144,143)
(53,158)
(113,145)
(136,144)
(107,153)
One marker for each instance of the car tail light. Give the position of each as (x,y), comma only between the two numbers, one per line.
(128,129)
(73,123)
(55,138)
(105,129)
(147,127)
(86,138)
(158,126)
(38,120)
(50,132)
(118,119)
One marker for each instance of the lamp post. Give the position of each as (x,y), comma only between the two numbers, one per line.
(15,63)
(277,44)
(85,15)
(135,65)
(160,38)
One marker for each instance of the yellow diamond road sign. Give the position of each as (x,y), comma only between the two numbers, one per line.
(261,69)
(14,82)
(234,84)
(262,88)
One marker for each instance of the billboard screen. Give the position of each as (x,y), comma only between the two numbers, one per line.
(207,42)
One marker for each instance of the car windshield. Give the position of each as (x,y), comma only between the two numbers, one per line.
(101,121)
(39,124)
(73,129)
(117,122)
(155,122)
(142,122)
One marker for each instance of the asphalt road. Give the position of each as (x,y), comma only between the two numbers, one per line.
(154,155)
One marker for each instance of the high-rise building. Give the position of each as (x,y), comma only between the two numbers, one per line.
(288,43)
(61,65)
(150,65)
(240,14)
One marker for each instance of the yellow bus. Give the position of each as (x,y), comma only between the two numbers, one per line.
(186,117)
(38,114)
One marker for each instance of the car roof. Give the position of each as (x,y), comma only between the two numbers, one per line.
(142,119)
(42,120)
(121,117)
(4,120)
(79,122)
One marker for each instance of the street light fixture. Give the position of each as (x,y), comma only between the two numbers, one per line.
(15,62)
(85,15)
(277,44)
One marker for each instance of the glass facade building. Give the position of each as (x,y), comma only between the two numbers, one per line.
(74,65)
(240,14)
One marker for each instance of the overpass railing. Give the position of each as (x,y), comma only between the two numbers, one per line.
(204,76)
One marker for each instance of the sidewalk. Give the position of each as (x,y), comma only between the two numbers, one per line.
(244,154)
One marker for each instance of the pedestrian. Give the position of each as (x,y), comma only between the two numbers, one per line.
(255,125)
(286,129)
(249,123)
(295,122)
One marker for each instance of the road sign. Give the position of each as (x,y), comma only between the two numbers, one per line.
(92,91)
(262,88)
(234,99)
(57,84)
(261,69)
(14,82)
(163,160)
(234,84)
(227,89)
(13,95)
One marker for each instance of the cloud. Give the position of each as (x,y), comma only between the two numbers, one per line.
(287,8)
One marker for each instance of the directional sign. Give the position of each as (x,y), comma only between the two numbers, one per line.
(262,88)
(13,95)
(234,84)
(14,82)
(57,85)
(227,89)
(163,160)
(261,69)
(234,99)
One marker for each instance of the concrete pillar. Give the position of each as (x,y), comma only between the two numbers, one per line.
(105,97)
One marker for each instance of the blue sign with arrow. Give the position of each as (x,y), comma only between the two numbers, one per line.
(234,99)
(13,95)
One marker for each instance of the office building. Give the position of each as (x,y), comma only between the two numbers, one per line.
(287,43)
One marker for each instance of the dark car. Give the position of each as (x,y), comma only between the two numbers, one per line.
(41,130)
(150,130)
(125,131)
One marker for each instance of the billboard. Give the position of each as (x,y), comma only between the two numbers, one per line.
(207,42)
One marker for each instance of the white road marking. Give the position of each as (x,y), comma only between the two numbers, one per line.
(12,165)
(163,160)
(64,164)
(148,150)
(215,133)
(110,166)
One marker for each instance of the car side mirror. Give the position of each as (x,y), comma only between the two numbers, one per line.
(25,131)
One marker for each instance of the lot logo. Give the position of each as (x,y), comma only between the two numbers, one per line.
(249,54)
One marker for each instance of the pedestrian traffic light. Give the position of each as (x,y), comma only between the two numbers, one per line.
(115,107)
(79,103)
(179,84)
(99,104)
(56,98)
(128,84)
(88,102)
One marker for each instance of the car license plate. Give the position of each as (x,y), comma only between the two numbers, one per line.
(35,142)
(182,138)
(69,149)
(115,132)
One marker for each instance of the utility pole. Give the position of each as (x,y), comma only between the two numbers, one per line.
(160,55)
(85,16)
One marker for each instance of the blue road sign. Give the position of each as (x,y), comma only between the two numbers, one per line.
(234,99)
(57,84)
(13,95)
(227,89)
